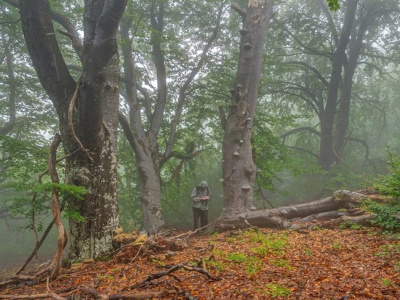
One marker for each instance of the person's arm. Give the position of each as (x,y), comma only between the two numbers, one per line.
(195,198)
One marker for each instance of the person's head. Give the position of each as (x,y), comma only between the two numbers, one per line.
(203,184)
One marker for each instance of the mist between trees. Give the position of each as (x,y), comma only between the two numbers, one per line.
(151,97)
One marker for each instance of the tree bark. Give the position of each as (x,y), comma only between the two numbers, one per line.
(148,158)
(95,118)
(56,210)
(282,217)
(327,155)
(146,155)
(342,124)
(238,166)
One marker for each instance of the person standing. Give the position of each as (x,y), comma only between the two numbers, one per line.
(200,197)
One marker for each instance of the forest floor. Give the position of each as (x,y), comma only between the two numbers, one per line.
(358,263)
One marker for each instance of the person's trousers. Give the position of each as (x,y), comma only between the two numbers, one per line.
(200,217)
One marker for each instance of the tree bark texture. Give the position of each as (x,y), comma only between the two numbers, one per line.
(238,167)
(95,117)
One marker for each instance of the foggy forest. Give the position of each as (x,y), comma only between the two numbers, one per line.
(215,149)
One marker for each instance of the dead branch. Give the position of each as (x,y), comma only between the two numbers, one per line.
(37,296)
(241,11)
(202,271)
(39,243)
(190,233)
(55,206)
(71,125)
(171,270)
(49,294)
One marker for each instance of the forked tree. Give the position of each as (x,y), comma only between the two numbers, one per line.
(87,109)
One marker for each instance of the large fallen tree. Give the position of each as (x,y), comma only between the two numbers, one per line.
(342,206)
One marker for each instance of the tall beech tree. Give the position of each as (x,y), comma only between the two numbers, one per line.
(238,168)
(328,91)
(87,110)
(148,111)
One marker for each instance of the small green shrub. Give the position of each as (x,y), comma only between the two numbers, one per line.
(386,213)
(277,290)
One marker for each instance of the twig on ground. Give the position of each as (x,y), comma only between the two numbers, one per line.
(49,294)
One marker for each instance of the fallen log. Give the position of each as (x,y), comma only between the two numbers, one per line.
(282,217)
(339,199)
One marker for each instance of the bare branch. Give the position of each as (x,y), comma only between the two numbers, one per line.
(241,11)
(305,47)
(71,33)
(331,24)
(55,207)
(300,129)
(314,70)
(304,150)
(188,81)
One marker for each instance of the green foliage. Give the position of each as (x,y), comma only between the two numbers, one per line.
(333,4)
(272,243)
(350,225)
(277,290)
(26,195)
(271,156)
(387,214)
(388,250)
(386,282)
(390,184)
(282,263)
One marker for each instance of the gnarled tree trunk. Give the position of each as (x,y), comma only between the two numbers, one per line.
(94,119)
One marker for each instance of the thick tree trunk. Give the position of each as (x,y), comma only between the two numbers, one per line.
(150,196)
(327,156)
(94,121)
(238,167)
(343,118)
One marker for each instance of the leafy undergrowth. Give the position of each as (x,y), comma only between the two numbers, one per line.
(249,264)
